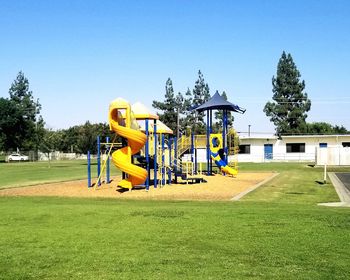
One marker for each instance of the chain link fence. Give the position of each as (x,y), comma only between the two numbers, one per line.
(23,156)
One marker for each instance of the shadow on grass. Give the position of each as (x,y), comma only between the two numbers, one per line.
(320,182)
(92,164)
(295,193)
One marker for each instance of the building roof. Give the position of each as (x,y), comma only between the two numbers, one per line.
(244,135)
(217,102)
(315,136)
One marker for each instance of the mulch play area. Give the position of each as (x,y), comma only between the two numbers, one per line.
(218,187)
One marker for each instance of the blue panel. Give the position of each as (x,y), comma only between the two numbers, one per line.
(323,145)
(268,151)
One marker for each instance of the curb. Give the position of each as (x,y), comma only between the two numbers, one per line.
(342,191)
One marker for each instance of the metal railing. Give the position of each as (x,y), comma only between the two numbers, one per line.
(183,144)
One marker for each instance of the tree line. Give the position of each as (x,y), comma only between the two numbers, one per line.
(23,128)
(287,110)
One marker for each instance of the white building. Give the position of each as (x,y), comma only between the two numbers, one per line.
(319,149)
(314,148)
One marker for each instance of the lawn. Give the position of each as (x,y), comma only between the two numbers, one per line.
(60,238)
(296,183)
(276,232)
(31,173)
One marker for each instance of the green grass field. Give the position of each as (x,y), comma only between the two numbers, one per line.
(31,173)
(276,232)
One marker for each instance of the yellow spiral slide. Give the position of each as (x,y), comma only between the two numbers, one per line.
(122,123)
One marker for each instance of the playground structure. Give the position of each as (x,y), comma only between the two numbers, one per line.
(217,102)
(149,144)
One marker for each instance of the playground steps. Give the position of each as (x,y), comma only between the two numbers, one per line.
(183,145)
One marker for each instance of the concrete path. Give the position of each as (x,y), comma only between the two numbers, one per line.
(240,195)
(342,189)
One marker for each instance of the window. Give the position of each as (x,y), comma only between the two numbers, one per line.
(323,145)
(244,149)
(346,144)
(295,148)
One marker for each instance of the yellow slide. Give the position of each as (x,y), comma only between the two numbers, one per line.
(229,170)
(215,146)
(121,122)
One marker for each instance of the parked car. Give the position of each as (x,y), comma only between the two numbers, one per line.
(17,157)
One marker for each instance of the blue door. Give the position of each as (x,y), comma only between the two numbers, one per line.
(268,151)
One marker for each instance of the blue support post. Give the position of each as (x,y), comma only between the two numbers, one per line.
(89,168)
(169,170)
(108,161)
(147,154)
(163,160)
(223,131)
(208,147)
(195,161)
(175,159)
(155,152)
(210,131)
(98,160)
(226,132)
(192,147)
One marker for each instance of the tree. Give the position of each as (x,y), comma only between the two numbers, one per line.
(290,103)
(169,106)
(340,130)
(185,105)
(83,138)
(189,115)
(325,128)
(200,95)
(49,143)
(219,115)
(27,116)
(319,128)
(9,123)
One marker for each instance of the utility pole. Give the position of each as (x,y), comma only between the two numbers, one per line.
(178,124)
(249,130)
(36,130)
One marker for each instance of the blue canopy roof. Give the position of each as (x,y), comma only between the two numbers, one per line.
(217,102)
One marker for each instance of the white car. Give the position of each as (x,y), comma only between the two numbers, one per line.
(17,157)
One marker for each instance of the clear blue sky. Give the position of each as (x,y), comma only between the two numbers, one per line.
(80,55)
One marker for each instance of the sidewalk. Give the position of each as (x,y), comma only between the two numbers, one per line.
(342,191)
